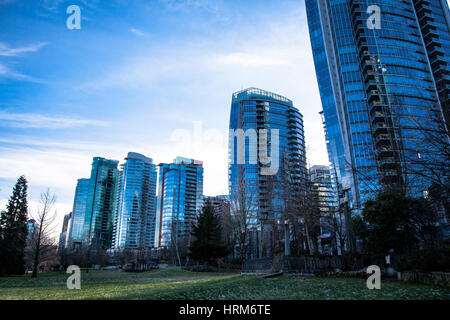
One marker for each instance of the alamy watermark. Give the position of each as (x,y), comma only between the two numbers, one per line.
(258,148)
(263,145)
(74,20)
(74,281)
(374,281)
(374,20)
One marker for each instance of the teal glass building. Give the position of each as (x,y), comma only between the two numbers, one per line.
(135,220)
(180,198)
(380,88)
(101,203)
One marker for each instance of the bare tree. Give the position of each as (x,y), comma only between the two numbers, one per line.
(243,206)
(430,159)
(175,242)
(42,243)
(299,210)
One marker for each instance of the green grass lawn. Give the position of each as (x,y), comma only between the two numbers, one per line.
(174,283)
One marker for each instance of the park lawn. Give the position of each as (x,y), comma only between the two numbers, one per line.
(174,283)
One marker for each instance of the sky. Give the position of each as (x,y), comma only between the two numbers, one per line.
(154,77)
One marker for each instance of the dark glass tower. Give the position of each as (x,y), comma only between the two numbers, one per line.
(378,88)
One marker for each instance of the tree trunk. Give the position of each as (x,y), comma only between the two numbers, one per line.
(36,253)
(287,243)
(308,239)
(261,250)
(36,262)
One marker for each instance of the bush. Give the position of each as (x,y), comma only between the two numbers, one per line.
(423,260)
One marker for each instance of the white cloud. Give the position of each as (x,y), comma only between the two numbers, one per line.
(29,120)
(7,51)
(8,73)
(138,32)
(57,164)
(276,58)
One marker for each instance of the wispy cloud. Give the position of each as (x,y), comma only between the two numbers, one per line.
(7,51)
(8,73)
(138,32)
(29,120)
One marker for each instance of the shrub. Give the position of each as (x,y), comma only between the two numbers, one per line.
(423,260)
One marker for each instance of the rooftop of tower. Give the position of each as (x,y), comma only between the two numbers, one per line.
(251,92)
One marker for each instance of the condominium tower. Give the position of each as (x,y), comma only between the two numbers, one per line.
(266,139)
(180,198)
(101,203)
(135,220)
(76,226)
(382,70)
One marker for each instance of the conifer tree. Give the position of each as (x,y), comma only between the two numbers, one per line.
(13,231)
(208,244)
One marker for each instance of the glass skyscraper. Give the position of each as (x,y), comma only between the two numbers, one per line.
(101,203)
(323,194)
(180,198)
(134,227)
(433,17)
(62,243)
(255,113)
(378,86)
(76,226)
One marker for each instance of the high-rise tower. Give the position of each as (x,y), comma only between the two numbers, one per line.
(134,227)
(264,125)
(378,67)
(76,226)
(180,198)
(101,203)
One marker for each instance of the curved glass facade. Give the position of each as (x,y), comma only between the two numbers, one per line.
(434,20)
(377,88)
(136,213)
(252,111)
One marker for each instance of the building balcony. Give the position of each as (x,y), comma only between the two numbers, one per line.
(375,107)
(382,140)
(388,162)
(385,151)
(380,128)
(390,173)
(377,117)
(430,34)
(435,51)
(422,9)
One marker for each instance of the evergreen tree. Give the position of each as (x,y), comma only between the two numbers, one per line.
(394,221)
(208,244)
(13,231)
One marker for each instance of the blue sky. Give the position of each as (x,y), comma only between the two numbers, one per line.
(154,77)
